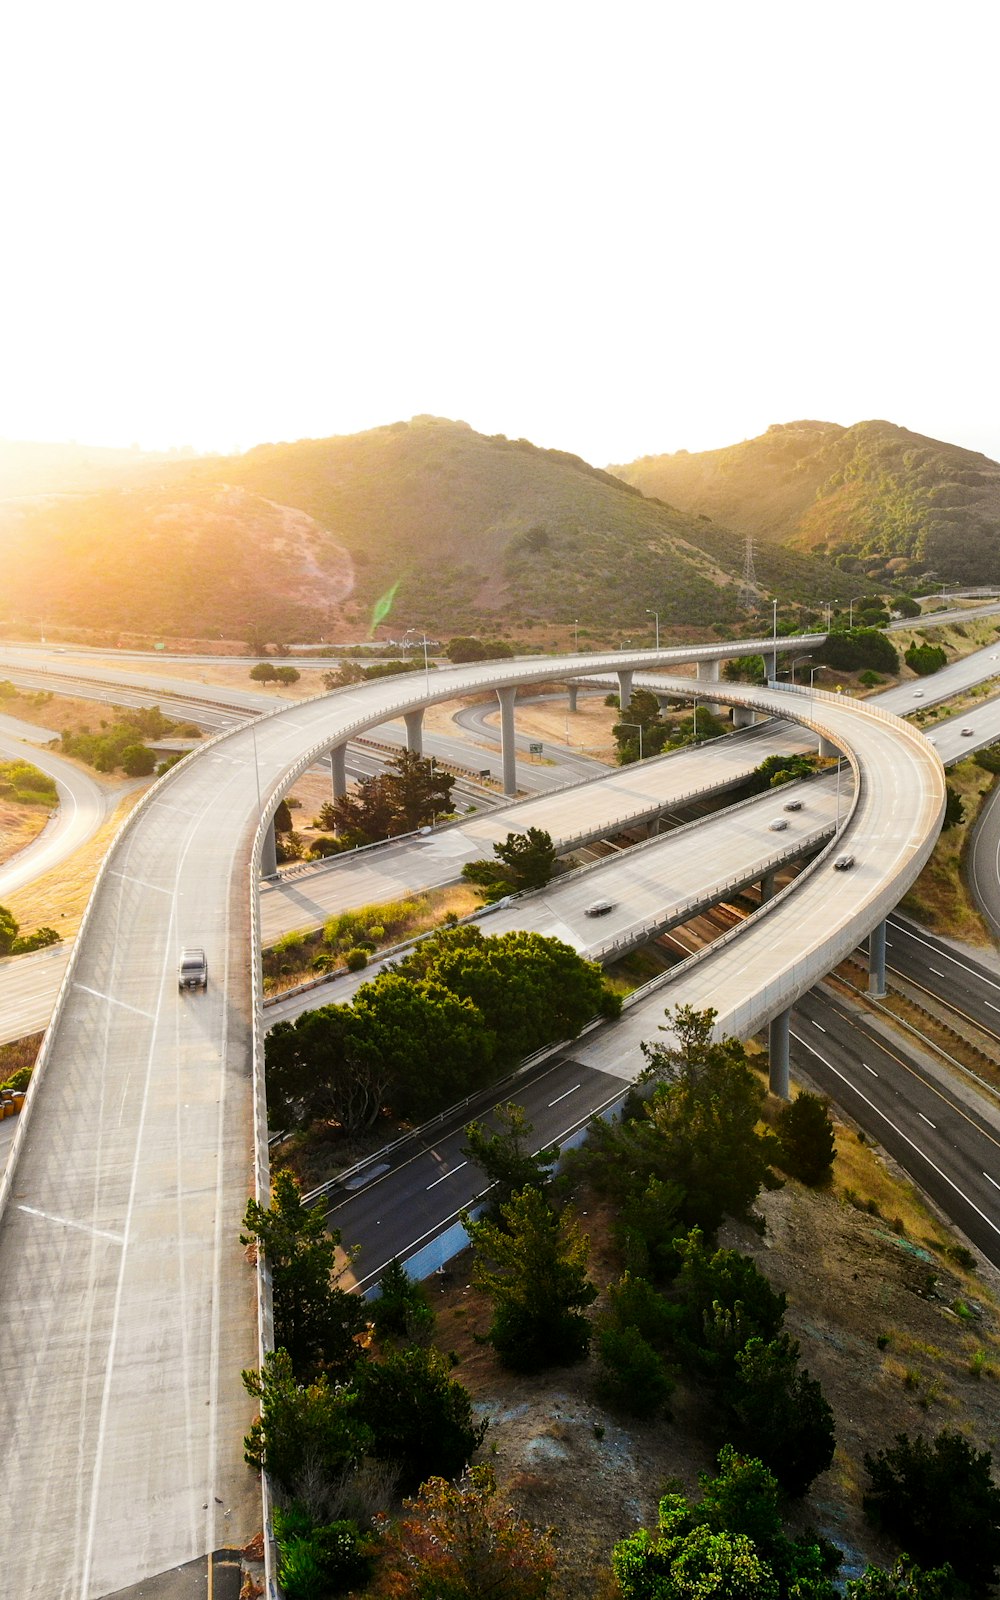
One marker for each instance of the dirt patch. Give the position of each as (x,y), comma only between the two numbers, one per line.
(852,1283)
(58,898)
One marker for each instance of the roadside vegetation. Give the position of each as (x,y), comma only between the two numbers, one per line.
(940,899)
(12,943)
(119,745)
(670,1332)
(412,792)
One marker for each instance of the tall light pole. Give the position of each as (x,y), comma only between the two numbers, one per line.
(637,725)
(774,628)
(576,637)
(850,609)
(656,614)
(796,662)
(829,612)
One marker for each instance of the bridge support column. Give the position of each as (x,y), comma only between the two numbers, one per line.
(766,887)
(742,716)
(708,672)
(876,962)
(771,666)
(269,853)
(624,688)
(574,690)
(777,1046)
(664,702)
(338,770)
(506,698)
(828,750)
(415,731)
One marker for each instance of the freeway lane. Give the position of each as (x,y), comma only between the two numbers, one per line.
(964,983)
(948,1142)
(652,886)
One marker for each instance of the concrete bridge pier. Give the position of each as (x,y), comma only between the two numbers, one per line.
(574,690)
(777,1046)
(269,853)
(771,665)
(708,672)
(506,698)
(876,962)
(338,770)
(415,731)
(766,886)
(828,749)
(743,716)
(624,688)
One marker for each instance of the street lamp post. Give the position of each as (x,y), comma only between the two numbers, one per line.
(850,609)
(638,726)
(656,614)
(576,637)
(796,662)
(829,612)
(427,670)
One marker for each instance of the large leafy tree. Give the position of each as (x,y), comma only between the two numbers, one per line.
(420,1418)
(780,1413)
(302,1428)
(722,1300)
(458,1542)
(905,1581)
(704,1112)
(315,1320)
(730,1546)
(434,1042)
(806,1143)
(522,861)
(533,1266)
(938,1499)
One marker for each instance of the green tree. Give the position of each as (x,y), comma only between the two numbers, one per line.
(301,1427)
(8,931)
(534,1269)
(924,659)
(779,1413)
(744,669)
(954,808)
(420,1419)
(722,1301)
(317,1560)
(287,674)
(324,1065)
(422,789)
(434,1044)
(631,1375)
(806,1142)
(937,1498)
(466,649)
(905,1582)
(315,1320)
(457,1542)
(401,1310)
(523,861)
(988,759)
(263,672)
(704,1114)
(502,1155)
(855,648)
(906,606)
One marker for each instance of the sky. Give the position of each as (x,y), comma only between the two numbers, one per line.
(612,229)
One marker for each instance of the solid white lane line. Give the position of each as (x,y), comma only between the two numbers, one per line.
(906,1139)
(991,1180)
(817,1025)
(935,971)
(944,955)
(928,1121)
(565,1096)
(111,1001)
(81,1227)
(449,1174)
(869,1069)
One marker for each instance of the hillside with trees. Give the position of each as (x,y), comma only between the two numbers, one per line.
(462,532)
(873,498)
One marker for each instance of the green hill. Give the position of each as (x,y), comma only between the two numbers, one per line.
(873,496)
(300,539)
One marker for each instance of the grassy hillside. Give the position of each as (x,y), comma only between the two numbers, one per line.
(302,539)
(872,496)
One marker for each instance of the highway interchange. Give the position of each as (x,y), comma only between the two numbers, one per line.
(132,1162)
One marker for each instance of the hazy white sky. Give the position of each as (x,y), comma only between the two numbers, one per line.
(615,229)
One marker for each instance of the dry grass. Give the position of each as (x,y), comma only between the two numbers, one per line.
(58,899)
(19,825)
(19,1053)
(939,899)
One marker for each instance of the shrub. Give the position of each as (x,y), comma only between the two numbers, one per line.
(356,959)
(805,1139)
(938,1499)
(632,1376)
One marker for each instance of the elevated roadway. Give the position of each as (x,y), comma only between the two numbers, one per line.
(129,1308)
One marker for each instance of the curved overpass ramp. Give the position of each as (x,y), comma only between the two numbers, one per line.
(128,1307)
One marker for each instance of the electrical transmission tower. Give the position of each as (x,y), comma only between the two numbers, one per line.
(748,588)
